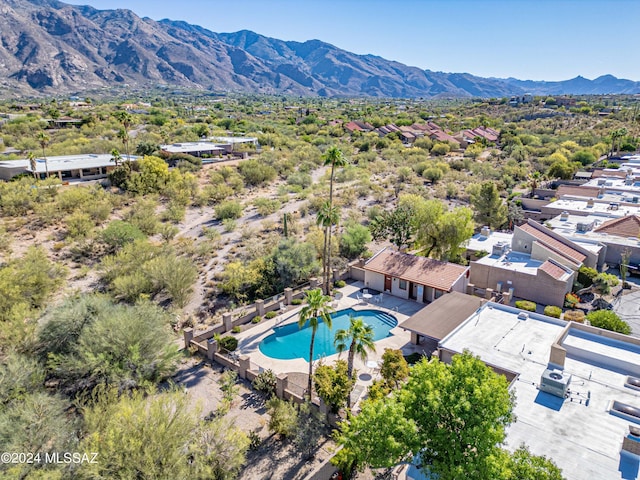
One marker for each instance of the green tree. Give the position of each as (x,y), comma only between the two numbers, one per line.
(378,437)
(358,339)
(333,384)
(27,282)
(562,169)
(159,437)
(395,368)
(489,207)
(38,423)
(354,240)
(20,376)
(152,176)
(609,321)
(333,157)
(292,262)
(398,226)
(439,232)
(316,309)
(523,465)
(461,412)
(91,340)
(453,415)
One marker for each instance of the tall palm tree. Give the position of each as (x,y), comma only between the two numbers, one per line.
(334,157)
(43,139)
(316,309)
(359,338)
(116,157)
(126,119)
(32,163)
(326,217)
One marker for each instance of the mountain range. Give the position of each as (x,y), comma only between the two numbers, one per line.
(48,47)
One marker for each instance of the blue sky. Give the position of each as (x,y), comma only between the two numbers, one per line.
(525,39)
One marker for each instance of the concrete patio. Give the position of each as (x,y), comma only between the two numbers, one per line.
(249,340)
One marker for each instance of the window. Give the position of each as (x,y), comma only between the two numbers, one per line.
(403,285)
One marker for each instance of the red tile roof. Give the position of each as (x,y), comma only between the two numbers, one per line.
(554,270)
(562,248)
(628,226)
(425,271)
(582,191)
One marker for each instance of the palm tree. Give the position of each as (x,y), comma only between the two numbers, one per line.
(334,157)
(317,308)
(43,138)
(534,180)
(359,337)
(115,156)
(32,163)
(327,216)
(126,119)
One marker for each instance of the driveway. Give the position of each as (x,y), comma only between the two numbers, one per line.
(628,308)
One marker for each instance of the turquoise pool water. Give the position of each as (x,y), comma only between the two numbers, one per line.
(289,341)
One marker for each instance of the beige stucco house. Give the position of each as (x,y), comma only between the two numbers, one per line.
(411,277)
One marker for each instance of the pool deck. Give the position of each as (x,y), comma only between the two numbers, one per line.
(249,341)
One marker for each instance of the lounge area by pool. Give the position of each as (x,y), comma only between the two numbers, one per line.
(290,342)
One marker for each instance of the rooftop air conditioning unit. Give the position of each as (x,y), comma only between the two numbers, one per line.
(564,216)
(523,316)
(485,231)
(601,181)
(555,382)
(500,249)
(584,227)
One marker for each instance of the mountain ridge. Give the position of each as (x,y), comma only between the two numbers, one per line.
(47,46)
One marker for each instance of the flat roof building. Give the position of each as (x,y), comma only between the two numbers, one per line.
(196,149)
(575,385)
(66,167)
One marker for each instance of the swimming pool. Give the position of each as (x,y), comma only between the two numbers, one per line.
(289,341)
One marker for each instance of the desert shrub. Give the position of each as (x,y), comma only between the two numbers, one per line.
(586,276)
(230,209)
(609,321)
(256,173)
(340,284)
(270,315)
(552,311)
(228,343)
(297,301)
(236,329)
(265,382)
(119,233)
(283,417)
(256,319)
(574,316)
(526,305)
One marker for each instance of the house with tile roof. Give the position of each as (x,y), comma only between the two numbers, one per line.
(616,235)
(412,277)
(538,264)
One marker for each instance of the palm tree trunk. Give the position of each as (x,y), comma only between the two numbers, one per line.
(352,354)
(310,384)
(328,258)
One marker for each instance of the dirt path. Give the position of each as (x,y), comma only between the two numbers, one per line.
(274,458)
